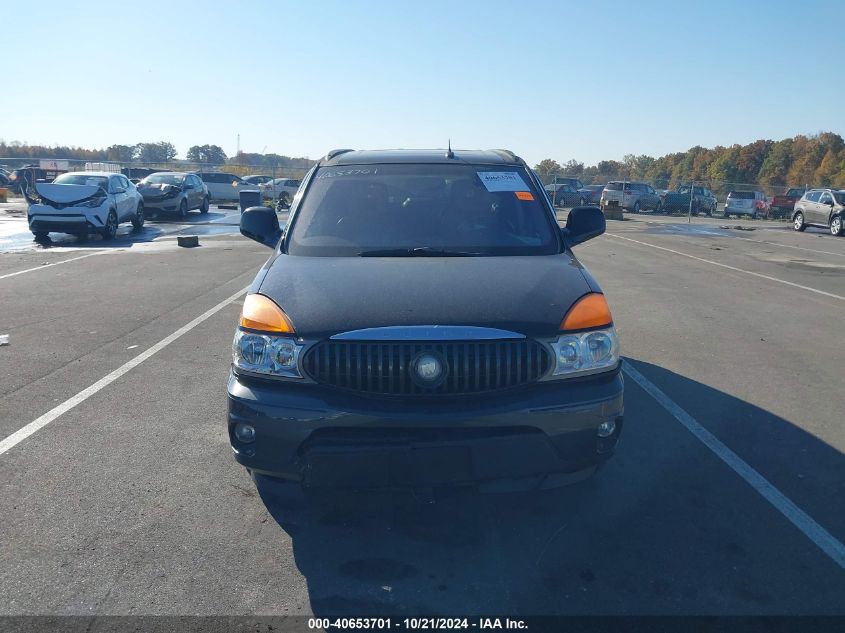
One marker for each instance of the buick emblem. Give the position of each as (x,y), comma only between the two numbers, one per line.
(428,369)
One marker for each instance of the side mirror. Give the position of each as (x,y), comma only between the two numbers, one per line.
(262,225)
(582,224)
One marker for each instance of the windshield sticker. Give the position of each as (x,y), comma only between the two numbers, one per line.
(336,173)
(523,195)
(502,181)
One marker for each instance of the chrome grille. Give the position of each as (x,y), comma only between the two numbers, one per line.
(384,367)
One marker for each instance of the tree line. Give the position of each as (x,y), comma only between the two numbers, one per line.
(156,152)
(817,160)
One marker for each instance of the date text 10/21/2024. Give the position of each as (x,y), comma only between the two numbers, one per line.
(421,623)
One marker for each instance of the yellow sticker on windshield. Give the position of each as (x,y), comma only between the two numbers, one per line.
(524,195)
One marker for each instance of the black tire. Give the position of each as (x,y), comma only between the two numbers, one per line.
(582,202)
(754,215)
(205,204)
(40,236)
(138,219)
(712,211)
(284,200)
(110,229)
(836,225)
(798,222)
(183,209)
(636,208)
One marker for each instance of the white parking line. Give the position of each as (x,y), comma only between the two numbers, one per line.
(39,423)
(800,248)
(734,268)
(800,519)
(43,266)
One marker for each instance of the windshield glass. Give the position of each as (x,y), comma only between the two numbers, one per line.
(163,179)
(82,179)
(839,196)
(353,209)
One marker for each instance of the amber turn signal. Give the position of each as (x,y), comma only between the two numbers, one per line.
(261,313)
(590,311)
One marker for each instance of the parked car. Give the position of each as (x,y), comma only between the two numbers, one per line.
(370,351)
(84,201)
(751,203)
(280,190)
(703,200)
(566,180)
(782,206)
(224,187)
(565,195)
(631,196)
(257,179)
(4,178)
(26,177)
(174,192)
(591,193)
(820,207)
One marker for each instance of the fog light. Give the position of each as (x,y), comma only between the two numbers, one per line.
(606,429)
(244,432)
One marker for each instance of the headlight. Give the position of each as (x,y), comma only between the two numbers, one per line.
(92,203)
(586,353)
(266,354)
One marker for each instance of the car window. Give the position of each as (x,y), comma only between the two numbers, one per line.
(354,209)
(741,195)
(82,179)
(813,196)
(162,179)
(839,196)
(826,198)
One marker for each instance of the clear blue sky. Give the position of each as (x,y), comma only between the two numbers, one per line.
(584,80)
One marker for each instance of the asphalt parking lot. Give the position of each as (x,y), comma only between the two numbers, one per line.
(726,496)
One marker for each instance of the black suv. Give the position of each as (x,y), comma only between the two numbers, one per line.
(423,322)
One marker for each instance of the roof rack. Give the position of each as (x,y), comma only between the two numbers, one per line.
(337,152)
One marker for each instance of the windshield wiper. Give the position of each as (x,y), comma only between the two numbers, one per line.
(419,251)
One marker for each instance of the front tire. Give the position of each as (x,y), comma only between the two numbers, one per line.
(284,200)
(798,222)
(836,225)
(183,209)
(110,229)
(205,205)
(40,236)
(138,220)
(636,208)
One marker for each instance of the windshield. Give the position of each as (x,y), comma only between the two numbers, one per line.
(839,196)
(431,207)
(163,179)
(82,179)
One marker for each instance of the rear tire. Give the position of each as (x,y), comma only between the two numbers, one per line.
(836,225)
(798,222)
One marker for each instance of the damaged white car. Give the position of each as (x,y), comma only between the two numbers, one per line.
(80,203)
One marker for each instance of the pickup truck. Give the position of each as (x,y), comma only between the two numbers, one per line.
(703,201)
(782,205)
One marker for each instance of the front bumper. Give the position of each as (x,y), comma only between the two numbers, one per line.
(161,204)
(322,437)
(69,220)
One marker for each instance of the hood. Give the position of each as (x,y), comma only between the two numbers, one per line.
(327,295)
(157,189)
(65,193)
